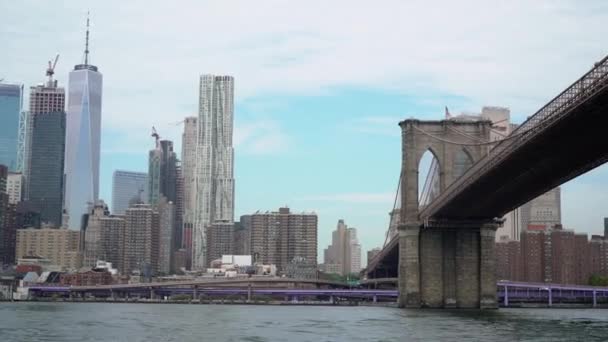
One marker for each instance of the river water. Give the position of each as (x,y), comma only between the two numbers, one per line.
(176,322)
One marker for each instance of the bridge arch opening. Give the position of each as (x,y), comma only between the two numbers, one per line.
(429,178)
(462,162)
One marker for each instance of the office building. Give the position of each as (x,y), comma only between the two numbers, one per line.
(166,212)
(127,187)
(92,235)
(371,254)
(155,157)
(44,150)
(214,164)
(141,240)
(543,212)
(6,221)
(605,226)
(82,140)
(344,250)
(279,237)
(11,103)
(60,246)
(14,187)
(162,172)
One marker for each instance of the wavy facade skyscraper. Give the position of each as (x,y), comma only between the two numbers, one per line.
(214,164)
(83,139)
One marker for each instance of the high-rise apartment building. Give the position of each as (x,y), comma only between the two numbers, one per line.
(178,226)
(128,187)
(214,164)
(104,237)
(45,150)
(11,103)
(189,139)
(219,240)
(241,239)
(141,240)
(345,250)
(82,140)
(61,246)
(281,237)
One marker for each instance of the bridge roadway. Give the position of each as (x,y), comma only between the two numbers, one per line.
(562,140)
(207,283)
(508,292)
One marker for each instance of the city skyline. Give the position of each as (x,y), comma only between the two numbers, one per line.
(268,126)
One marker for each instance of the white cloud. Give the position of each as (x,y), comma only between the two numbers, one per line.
(354,197)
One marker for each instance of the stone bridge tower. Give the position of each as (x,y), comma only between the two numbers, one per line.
(451,265)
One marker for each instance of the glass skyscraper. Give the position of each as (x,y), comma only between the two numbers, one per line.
(214,164)
(11,101)
(83,138)
(44,154)
(128,186)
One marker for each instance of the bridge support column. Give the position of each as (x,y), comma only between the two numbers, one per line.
(431,268)
(449,268)
(409,266)
(449,265)
(487,267)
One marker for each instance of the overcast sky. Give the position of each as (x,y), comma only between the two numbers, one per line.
(320,85)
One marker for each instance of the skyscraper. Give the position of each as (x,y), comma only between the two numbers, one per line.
(166,211)
(127,186)
(11,102)
(344,251)
(162,172)
(83,137)
(44,150)
(214,164)
(189,182)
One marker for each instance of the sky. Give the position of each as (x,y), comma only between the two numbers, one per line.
(319,86)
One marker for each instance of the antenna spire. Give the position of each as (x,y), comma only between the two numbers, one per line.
(86,48)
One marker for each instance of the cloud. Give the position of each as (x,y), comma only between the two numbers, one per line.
(354,197)
(261,137)
(504,54)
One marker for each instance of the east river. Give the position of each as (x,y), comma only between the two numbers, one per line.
(176,322)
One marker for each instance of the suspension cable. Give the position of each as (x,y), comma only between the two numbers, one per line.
(469,144)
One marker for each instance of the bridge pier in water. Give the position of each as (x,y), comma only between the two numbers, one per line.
(447,267)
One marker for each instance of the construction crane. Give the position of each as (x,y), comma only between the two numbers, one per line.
(155,135)
(51,71)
